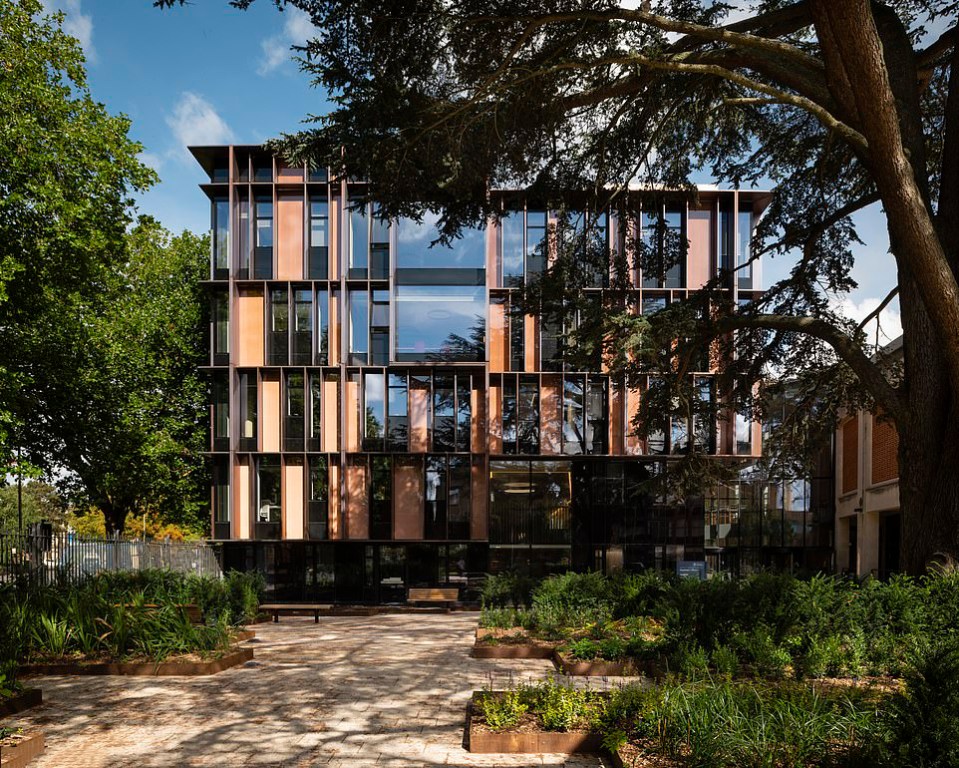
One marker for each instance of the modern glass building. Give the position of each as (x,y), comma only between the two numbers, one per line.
(383,418)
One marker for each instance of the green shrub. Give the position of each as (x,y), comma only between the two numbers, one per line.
(691,661)
(725,661)
(504,618)
(759,649)
(923,720)
(562,707)
(509,589)
(501,710)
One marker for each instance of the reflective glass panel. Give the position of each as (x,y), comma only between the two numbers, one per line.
(440,322)
(414,251)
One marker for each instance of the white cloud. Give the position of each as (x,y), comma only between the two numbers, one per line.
(195,122)
(75,23)
(152,160)
(890,324)
(297,29)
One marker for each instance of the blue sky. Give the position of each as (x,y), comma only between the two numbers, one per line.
(206,73)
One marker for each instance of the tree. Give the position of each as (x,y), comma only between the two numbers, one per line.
(135,430)
(840,104)
(67,173)
(41,503)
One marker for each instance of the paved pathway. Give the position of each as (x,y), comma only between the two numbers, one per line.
(351,691)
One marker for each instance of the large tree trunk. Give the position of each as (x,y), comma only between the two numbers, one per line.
(114,517)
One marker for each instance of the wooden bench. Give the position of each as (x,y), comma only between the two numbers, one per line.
(291,608)
(447,595)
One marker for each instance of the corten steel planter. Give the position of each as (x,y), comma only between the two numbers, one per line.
(603,668)
(531,648)
(530,742)
(21,753)
(29,697)
(242,635)
(146,669)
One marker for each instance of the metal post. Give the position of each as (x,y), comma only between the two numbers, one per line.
(19,493)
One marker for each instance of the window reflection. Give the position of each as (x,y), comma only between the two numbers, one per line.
(414,251)
(440,322)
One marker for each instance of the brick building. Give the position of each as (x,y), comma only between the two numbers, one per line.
(868,518)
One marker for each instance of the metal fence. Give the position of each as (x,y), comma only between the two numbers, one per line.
(50,556)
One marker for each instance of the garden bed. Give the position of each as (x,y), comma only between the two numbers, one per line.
(510,644)
(526,737)
(17,750)
(191,665)
(26,699)
(242,635)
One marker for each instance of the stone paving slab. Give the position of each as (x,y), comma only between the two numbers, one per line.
(350,692)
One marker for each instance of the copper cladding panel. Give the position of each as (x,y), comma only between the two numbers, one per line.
(634,446)
(408,495)
(699,230)
(498,338)
(289,237)
(495,419)
(241,498)
(293,501)
(249,323)
(419,420)
(357,506)
(478,499)
(270,413)
(551,415)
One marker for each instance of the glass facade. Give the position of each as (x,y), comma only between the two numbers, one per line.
(363,441)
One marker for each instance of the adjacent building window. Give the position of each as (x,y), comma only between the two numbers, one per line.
(302,352)
(278,340)
(262,168)
(268,500)
(322,326)
(263,252)
(221,238)
(247,410)
(317,267)
(295,413)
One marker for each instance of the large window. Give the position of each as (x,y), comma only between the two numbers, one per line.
(418,246)
(295,413)
(268,501)
(374,422)
(369,242)
(302,353)
(318,505)
(398,409)
(221,411)
(322,326)
(520,414)
(278,340)
(662,250)
(243,234)
(221,238)
(316,412)
(221,498)
(318,259)
(744,269)
(263,253)
(359,327)
(512,248)
(440,322)
(380,328)
(535,243)
(585,237)
(221,328)
(379,247)
(247,410)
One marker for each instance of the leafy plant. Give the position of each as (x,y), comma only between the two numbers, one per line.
(501,710)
